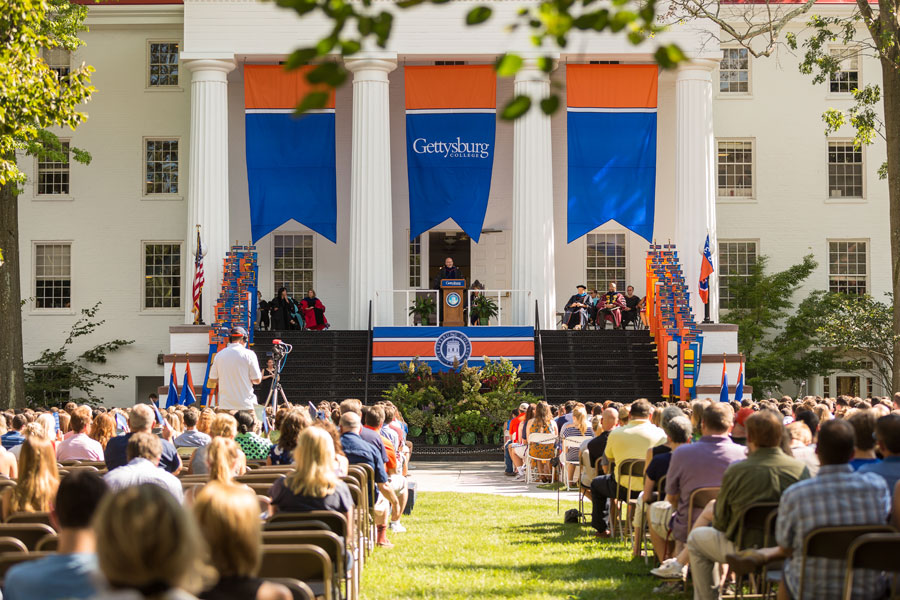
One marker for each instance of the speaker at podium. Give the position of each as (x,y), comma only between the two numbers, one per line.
(453,295)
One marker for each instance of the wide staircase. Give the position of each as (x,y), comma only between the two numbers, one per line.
(578,365)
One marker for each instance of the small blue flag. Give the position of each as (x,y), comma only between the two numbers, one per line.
(723,394)
(172,397)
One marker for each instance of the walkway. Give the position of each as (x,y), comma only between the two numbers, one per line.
(476,477)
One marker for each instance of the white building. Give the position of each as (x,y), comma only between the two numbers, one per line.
(741,153)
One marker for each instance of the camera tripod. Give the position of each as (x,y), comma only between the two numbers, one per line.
(280,351)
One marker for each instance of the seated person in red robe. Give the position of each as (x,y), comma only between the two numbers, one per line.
(313,312)
(610,307)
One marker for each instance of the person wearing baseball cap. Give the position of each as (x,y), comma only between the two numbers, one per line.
(235,370)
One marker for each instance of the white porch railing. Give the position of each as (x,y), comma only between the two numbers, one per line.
(386,303)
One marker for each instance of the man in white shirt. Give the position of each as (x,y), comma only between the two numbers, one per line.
(144,452)
(80,446)
(235,370)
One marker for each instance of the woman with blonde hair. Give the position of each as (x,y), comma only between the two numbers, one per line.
(103,429)
(224,460)
(542,423)
(35,489)
(150,547)
(206,418)
(175,423)
(224,425)
(228,517)
(577,428)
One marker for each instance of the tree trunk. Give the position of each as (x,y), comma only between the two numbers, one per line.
(12,372)
(891,86)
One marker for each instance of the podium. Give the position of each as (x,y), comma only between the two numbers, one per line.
(453,293)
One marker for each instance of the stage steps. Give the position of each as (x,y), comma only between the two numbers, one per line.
(579,365)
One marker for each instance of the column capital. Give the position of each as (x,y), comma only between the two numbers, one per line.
(209,68)
(697,69)
(371,65)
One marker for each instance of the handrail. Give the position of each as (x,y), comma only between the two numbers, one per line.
(499,294)
(537,330)
(369,341)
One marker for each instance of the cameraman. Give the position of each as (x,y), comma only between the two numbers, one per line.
(235,370)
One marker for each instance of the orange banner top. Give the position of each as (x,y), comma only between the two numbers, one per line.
(611,86)
(450,86)
(270,86)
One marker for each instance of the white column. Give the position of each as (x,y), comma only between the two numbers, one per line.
(208,180)
(533,266)
(371,224)
(695,191)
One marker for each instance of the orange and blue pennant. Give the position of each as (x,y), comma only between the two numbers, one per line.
(706,269)
(187,387)
(290,159)
(723,392)
(611,125)
(451,122)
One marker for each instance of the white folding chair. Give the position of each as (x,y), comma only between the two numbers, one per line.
(568,443)
(531,462)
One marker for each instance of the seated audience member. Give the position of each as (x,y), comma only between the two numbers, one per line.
(374,420)
(628,442)
(610,307)
(738,432)
(542,423)
(372,436)
(836,497)
(254,446)
(8,464)
(72,571)
(191,438)
(341,464)
(698,465)
(863,422)
(224,459)
(140,420)
(80,446)
(577,310)
(802,447)
(43,426)
(206,418)
(149,547)
(761,477)
(103,429)
(887,435)
(14,436)
(228,517)
(632,311)
(564,414)
(224,425)
(360,451)
(173,419)
(511,461)
(292,425)
(144,453)
(38,479)
(609,419)
(577,428)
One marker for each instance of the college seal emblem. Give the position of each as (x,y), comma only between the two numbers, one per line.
(453,299)
(452,346)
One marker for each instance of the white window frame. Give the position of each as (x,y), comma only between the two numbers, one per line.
(738,199)
(163,88)
(174,310)
(718,76)
(844,199)
(720,243)
(859,75)
(423,271)
(48,53)
(51,311)
(37,178)
(601,285)
(868,262)
(163,196)
(315,251)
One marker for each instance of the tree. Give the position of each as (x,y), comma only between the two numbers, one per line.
(33,99)
(779,344)
(53,375)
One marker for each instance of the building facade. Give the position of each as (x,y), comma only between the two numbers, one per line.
(741,154)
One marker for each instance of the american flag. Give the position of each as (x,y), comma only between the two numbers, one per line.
(198,280)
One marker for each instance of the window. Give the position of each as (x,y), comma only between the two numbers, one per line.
(605,260)
(415,262)
(294,263)
(162,275)
(870,388)
(848,266)
(845,170)
(734,71)
(604,62)
(735,168)
(736,260)
(826,387)
(846,78)
(440,63)
(59,61)
(161,167)
(163,64)
(53,175)
(53,275)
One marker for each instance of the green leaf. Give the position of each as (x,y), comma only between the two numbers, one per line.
(550,104)
(409,3)
(669,56)
(324,46)
(350,47)
(478,15)
(300,57)
(545,64)
(312,101)
(329,73)
(515,108)
(508,65)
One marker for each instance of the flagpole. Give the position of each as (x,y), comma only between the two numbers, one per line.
(199,320)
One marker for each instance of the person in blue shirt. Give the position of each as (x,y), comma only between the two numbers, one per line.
(140,420)
(887,435)
(14,436)
(863,422)
(72,571)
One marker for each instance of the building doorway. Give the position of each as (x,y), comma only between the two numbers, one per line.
(454,244)
(847,385)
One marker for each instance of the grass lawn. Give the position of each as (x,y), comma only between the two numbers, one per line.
(485,546)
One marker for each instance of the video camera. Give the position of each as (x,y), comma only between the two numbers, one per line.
(280,349)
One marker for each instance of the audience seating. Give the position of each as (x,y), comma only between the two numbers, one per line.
(568,443)
(300,590)
(327,541)
(28,533)
(755,516)
(30,517)
(11,544)
(260,477)
(48,543)
(308,563)
(334,521)
(876,551)
(631,469)
(531,462)
(698,500)
(6,482)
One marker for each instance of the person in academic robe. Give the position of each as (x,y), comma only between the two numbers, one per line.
(610,307)
(631,312)
(593,301)
(576,313)
(313,312)
(448,271)
(280,309)
(262,309)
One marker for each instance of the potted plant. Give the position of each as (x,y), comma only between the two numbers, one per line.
(417,421)
(440,424)
(421,309)
(484,309)
(429,438)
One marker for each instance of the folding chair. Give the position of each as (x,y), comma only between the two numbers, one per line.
(753,516)
(6,482)
(630,468)
(333,520)
(833,542)
(28,533)
(326,540)
(698,500)
(538,439)
(305,562)
(568,443)
(11,544)
(252,477)
(659,493)
(876,551)
(298,589)
(369,472)
(32,517)
(588,472)
(48,543)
